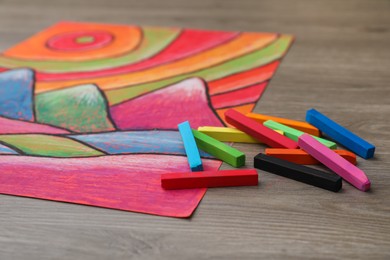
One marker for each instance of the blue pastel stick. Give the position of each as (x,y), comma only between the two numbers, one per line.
(340,134)
(190,146)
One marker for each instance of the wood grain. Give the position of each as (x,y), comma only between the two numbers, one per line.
(339,65)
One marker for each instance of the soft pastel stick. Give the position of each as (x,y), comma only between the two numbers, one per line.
(299,156)
(258,131)
(303,126)
(293,134)
(220,150)
(325,180)
(228,134)
(190,146)
(209,179)
(340,134)
(335,162)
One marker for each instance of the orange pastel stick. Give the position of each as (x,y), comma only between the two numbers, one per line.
(299,156)
(299,125)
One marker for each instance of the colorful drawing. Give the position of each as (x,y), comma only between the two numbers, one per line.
(89,112)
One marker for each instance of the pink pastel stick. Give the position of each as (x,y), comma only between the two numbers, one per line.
(335,162)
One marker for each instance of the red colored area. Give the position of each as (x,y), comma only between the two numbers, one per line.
(240,96)
(209,179)
(188,43)
(258,131)
(69,41)
(243,79)
(166,108)
(12,126)
(124,182)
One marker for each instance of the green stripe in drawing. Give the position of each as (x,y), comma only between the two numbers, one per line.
(243,63)
(48,145)
(155,40)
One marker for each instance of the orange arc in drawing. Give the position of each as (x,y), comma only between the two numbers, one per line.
(124,39)
(245,43)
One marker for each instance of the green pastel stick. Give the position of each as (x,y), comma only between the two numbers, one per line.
(220,150)
(293,133)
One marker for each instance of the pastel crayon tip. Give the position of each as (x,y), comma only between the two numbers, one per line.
(366,186)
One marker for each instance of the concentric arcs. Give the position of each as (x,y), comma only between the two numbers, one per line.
(80,41)
(109,41)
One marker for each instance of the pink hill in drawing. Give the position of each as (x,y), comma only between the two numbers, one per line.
(167,107)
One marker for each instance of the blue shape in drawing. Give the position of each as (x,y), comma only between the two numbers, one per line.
(154,141)
(16,94)
(6,150)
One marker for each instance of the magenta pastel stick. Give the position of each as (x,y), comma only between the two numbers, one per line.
(335,162)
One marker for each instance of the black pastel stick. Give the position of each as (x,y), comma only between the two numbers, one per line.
(325,180)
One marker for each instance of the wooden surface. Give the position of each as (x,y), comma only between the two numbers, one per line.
(339,64)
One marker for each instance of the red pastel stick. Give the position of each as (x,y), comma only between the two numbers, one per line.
(258,131)
(209,179)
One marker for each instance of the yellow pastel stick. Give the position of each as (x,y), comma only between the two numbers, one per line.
(227,134)
(302,126)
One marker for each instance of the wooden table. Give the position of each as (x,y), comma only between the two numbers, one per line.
(339,64)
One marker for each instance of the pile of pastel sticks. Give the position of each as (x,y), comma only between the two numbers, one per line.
(293,144)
